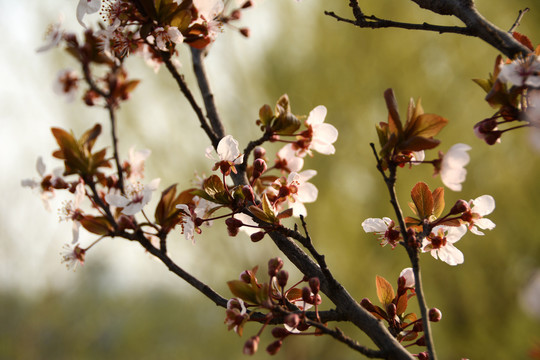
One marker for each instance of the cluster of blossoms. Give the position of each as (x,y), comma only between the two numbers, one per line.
(280,301)
(514,89)
(444,231)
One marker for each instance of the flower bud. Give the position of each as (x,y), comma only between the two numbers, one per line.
(258,236)
(421,341)
(391,310)
(259,167)
(418,327)
(280,333)
(236,15)
(423,356)
(306,295)
(282,277)
(292,320)
(247,4)
(302,326)
(459,207)
(367,304)
(259,152)
(250,347)
(125,222)
(245,276)
(435,315)
(274,347)
(248,193)
(244,31)
(274,265)
(314,285)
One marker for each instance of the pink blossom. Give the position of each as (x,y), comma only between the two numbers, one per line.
(166,36)
(323,135)
(522,72)
(71,211)
(87,7)
(408,274)
(480,207)
(136,159)
(441,244)
(287,159)
(384,228)
(136,197)
(453,163)
(72,255)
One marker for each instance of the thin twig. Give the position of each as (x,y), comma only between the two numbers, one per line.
(412,251)
(214,138)
(518,20)
(114,137)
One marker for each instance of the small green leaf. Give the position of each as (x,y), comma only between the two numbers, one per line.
(243,290)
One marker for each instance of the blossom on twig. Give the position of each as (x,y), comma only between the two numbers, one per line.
(441,243)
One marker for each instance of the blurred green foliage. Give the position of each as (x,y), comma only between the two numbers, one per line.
(317,60)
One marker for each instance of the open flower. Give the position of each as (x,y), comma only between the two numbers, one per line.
(441,244)
(522,72)
(46,183)
(168,35)
(384,228)
(228,155)
(321,135)
(480,207)
(71,211)
(87,7)
(297,190)
(453,163)
(136,197)
(72,255)
(236,315)
(209,11)
(53,36)
(287,160)
(66,84)
(192,216)
(135,163)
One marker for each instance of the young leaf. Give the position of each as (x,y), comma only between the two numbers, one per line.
(423,200)
(393,114)
(385,291)
(243,290)
(438,201)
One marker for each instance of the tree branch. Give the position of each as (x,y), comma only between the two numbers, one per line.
(208,98)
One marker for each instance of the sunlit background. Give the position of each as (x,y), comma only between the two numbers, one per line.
(123,304)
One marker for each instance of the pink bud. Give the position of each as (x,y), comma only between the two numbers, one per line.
(306,295)
(292,320)
(282,277)
(423,356)
(259,152)
(459,207)
(435,315)
(314,285)
(274,265)
(280,333)
(250,347)
(274,347)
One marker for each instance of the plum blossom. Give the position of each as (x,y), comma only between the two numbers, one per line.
(192,216)
(87,7)
(136,197)
(322,135)
(209,11)
(236,315)
(384,228)
(53,36)
(228,155)
(441,243)
(287,159)
(135,163)
(408,274)
(298,191)
(452,168)
(46,182)
(247,220)
(66,84)
(72,255)
(167,35)
(71,211)
(522,72)
(480,207)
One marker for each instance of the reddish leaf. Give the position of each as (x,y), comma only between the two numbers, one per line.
(523,39)
(97,225)
(423,200)
(438,201)
(385,291)
(418,143)
(394,121)
(425,125)
(401,304)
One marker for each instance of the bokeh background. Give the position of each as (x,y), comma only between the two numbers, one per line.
(124,305)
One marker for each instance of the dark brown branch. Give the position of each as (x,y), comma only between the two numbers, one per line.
(214,138)
(374,22)
(208,98)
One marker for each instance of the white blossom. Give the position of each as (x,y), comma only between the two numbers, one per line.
(324,135)
(441,244)
(136,197)
(87,7)
(480,207)
(453,163)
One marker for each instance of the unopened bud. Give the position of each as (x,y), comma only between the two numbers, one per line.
(292,320)
(259,167)
(247,4)
(423,356)
(259,152)
(435,315)
(459,207)
(418,327)
(235,15)
(282,277)
(314,285)
(274,347)
(367,304)
(274,265)
(258,236)
(198,222)
(280,333)
(244,32)
(421,341)
(391,310)
(248,193)
(245,276)
(250,347)
(302,326)
(125,222)
(306,295)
